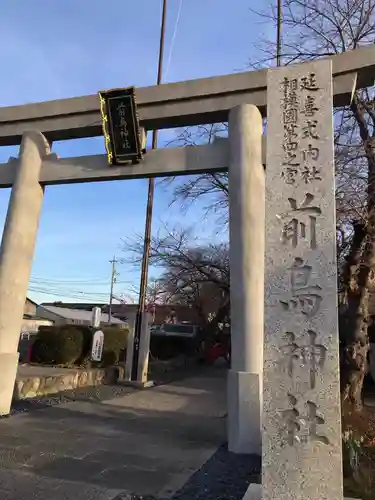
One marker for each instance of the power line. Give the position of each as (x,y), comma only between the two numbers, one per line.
(69,296)
(58,293)
(68,283)
(77,289)
(278,34)
(62,291)
(58,288)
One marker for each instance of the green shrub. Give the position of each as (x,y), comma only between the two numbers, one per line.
(71,344)
(115,340)
(87,334)
(58,345)
(43,350)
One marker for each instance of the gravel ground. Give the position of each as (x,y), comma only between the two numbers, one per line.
(225,476)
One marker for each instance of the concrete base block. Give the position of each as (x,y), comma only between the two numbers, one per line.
(8,366)
(254,492)
(244,412)
(137,384)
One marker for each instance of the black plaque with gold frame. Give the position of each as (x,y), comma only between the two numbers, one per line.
(120,123)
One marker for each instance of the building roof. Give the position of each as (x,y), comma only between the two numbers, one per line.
(29,300)
(85,306)
(162,311)
(35,317)
(77,314)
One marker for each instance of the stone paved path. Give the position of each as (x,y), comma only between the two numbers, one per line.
(146,442)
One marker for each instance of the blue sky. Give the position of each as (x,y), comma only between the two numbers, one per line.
(55,49)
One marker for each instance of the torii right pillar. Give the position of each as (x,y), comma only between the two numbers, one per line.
(247,236)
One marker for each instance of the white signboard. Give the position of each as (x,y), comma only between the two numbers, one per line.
(96,317)
(97,346)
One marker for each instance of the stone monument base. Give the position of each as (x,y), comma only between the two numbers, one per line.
(9,366)
(244,412)
(254,492)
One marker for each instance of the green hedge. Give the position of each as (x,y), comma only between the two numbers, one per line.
(58,345)
(114,349)
(71,345)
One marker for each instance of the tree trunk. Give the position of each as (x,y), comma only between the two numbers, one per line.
(358,275)
(353,324)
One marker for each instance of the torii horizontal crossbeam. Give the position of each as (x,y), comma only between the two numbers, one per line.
(194,102)
(163,162)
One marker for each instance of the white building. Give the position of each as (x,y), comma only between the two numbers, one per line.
(31,319)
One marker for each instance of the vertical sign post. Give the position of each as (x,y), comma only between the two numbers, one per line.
(97,346)
(96,317)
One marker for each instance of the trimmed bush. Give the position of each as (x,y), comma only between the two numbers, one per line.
(58,345)
(87,334)
(115,341)
(71,344)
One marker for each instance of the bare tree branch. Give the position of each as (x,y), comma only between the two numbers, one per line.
(313,29)
(192,274)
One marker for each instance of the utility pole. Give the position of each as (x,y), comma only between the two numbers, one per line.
(278,35)
(150,203)
(113,281)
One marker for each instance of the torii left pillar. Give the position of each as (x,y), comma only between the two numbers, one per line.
(16,256)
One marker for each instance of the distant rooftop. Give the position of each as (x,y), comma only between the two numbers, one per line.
(127,311)
(85,306)
(78,315)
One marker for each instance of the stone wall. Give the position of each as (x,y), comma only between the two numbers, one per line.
(42,385)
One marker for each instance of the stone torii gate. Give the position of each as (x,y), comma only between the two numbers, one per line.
(240,99)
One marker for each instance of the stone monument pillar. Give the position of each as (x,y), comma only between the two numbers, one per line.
(246,212)
(16,255)
(301,416)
